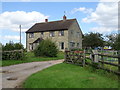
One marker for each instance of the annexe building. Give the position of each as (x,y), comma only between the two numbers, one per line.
(65,33)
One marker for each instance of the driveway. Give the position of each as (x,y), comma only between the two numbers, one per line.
(13,76)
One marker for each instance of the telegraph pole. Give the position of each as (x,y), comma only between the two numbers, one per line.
(20,33)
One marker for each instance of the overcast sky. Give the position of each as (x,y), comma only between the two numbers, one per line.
(96,16)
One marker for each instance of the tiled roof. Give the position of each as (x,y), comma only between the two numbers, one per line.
(51,26)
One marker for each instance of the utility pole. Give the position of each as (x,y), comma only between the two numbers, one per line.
(20,33)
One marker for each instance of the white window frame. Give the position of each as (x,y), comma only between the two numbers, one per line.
(52,33)
(31,35)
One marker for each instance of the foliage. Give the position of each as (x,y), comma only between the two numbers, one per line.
(29,57)
(9,51)
(76,49)
(46,48)
(12,46)
(68,76)
(12,55)
(116,44)
(93,40)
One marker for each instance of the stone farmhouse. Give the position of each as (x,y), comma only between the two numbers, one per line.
(65,33)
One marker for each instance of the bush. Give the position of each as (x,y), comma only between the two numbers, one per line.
(12,46)
(12,51)
(13,55)
(46,48)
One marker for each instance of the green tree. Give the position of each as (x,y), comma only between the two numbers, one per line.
(116,45)
(93,40)
(46,48)
(18,46)
(12,46)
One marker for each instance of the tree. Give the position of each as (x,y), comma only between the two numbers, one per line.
(46,48)
(111,40)
(12,46)
(117,43)
(93,40)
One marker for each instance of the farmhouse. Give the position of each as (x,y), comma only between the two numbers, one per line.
(65,33)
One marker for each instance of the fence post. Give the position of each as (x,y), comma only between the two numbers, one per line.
(102,61)
(84,57)
(119,67)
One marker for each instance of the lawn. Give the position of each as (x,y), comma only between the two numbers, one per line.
(68,76)
(31,58)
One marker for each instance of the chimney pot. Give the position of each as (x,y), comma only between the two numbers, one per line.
(46,20)
(64,17)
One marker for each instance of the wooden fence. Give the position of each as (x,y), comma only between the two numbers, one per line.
(96,60)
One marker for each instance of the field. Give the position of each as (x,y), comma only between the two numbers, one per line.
(69,76)
(31,58)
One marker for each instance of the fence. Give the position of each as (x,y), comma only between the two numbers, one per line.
(12,55)
(96,60)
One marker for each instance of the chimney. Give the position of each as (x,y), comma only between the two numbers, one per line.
(46,20)
(64,18)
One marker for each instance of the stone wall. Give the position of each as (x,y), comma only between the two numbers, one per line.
(57,39)
(75,35)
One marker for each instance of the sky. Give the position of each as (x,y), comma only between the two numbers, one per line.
(99,17)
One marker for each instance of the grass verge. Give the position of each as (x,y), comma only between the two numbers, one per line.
(31,58)
(68,76)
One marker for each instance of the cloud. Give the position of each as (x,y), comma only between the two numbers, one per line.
(9,37)
(105,15)
(82,9)
(12,20)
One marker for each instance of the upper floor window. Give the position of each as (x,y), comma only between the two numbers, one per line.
(52,34)
(61,33)
(78,34)
(42,33)
(31,35)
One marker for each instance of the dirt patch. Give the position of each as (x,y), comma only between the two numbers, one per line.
(6,72)
(12,78)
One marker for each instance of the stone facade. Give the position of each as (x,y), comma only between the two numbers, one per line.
(72,38)
(57,39)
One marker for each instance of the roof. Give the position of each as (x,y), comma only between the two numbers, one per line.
(51,26)
(38,40)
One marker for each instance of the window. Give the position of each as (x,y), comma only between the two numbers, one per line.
(71,32)
(42,33)
(52,34)
(61,45)
(77,44)
(72,44)
(31,46)
(78,34)
(31,35)
(61,33)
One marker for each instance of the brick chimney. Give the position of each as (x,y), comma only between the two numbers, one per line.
(46,20)
(64,18)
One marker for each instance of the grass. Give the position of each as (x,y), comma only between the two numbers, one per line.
(31,58)
(68,76)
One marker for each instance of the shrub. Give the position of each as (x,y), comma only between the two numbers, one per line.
(13,55)
(12,51)
(12,46)
(46,48)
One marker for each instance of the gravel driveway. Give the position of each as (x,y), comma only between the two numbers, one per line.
(13,76)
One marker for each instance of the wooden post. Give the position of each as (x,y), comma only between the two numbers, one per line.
(102,59)
(119,67)
(65,57)
(84,58)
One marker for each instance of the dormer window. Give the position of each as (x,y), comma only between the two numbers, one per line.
(52,34)
(31,35)
(61,33)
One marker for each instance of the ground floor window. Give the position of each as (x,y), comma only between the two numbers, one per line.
(77,44)
(61,45)
(31,46)
(72,44)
